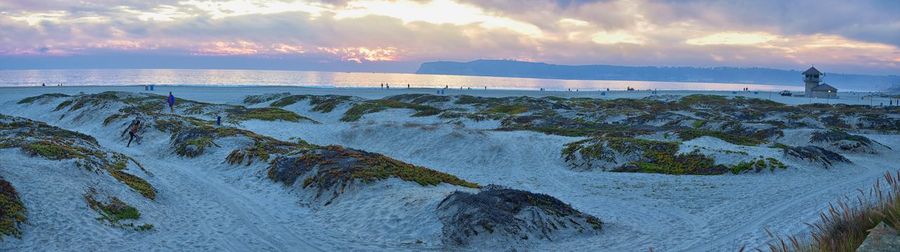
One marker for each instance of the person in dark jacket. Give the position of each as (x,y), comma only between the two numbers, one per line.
(133,122)
(133,132)
(171,102)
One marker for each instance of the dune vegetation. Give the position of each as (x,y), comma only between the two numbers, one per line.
(41,140)
(12,211)
(115,211)
(845,225)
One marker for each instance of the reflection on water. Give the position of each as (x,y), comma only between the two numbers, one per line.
(336,79)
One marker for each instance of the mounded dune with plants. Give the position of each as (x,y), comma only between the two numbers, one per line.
(333,170)
(327,172)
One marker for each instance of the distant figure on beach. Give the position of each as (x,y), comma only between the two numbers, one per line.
(171,102)
(132,130)
(219,120)
(407,86)
(382,85)
(43,84)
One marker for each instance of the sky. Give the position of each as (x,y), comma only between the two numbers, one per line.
(860,36)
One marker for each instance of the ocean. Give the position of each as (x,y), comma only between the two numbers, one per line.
(91,77)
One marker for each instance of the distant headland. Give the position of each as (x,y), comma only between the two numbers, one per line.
(510,68)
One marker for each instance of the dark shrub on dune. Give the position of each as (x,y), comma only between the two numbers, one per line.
(815,155)
(509,214)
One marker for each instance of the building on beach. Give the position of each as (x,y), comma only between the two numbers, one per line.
(812,77)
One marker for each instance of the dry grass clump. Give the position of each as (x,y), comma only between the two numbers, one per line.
(32,99)
(135,182)
(357,111)
(191,137)
(12,211)
(646,156)
(382,167)
(263,148)
(690,134)
(758,165)
(264,114)
(369,167)
(334,168)
(844,226)
(53,151)
(115,211)
(257,99)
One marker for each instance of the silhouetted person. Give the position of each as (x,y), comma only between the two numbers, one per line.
(171,102)
(136,120)
(132,132)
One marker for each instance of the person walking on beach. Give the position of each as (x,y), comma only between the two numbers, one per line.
(133,132)
(171,102)
(133,122)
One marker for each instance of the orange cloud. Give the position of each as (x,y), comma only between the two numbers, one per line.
(360,54)
(230,48)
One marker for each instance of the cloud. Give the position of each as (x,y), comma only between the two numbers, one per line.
(732,38)
(855,35)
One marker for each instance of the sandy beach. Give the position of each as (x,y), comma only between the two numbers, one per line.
(204,203)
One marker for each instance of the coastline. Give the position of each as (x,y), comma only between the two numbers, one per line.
(236,92)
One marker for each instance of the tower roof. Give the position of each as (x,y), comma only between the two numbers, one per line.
(824,87)
(812,71)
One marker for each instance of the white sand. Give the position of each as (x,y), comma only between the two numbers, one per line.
(205,204)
